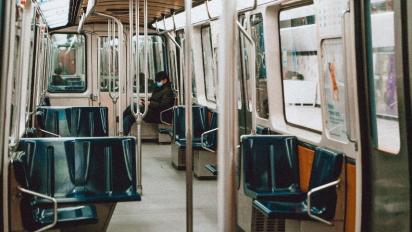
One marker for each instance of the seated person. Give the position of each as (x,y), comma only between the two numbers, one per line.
(162,99)
(56,78)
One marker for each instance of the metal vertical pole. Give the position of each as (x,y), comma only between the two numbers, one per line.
(228,137)
(188,115)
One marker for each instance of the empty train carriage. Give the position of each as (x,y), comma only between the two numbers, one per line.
(221,115)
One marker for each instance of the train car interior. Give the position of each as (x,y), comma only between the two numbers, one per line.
(206,115)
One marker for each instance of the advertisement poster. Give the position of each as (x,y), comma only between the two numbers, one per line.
(334,78)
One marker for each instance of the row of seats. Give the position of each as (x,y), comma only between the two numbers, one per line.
(81,167)
(271,179)
(73,121)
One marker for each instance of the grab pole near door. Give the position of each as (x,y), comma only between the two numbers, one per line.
(227,109)
(188,115)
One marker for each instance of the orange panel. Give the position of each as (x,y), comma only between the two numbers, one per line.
(350,218)
(306,156)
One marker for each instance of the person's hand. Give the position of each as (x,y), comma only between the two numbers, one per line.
(142,102)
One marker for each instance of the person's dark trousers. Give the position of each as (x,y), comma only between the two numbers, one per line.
(128,119)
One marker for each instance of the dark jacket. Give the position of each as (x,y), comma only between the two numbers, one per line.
(162,99)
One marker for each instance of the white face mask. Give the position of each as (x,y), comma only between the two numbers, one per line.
(159,84)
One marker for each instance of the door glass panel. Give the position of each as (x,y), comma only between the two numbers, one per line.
(108,71)
(262,107)
(208,64)
(384,98)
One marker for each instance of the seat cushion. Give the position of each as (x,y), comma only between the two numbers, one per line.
(196,144)
(289,194)
(277,209)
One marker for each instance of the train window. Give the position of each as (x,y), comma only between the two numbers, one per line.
(157,58)
(68,64)
(256,26)
(300,74)
(210,76)
(383,77)
(107,71)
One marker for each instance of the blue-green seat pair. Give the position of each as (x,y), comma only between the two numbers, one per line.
(271,179)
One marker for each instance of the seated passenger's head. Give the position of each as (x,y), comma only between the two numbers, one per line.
(161,79)
(58,70)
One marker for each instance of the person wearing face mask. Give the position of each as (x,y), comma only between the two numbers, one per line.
(162,98)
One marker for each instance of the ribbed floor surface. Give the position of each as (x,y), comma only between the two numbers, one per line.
(163,204)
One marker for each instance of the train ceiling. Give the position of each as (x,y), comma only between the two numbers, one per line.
(120,9)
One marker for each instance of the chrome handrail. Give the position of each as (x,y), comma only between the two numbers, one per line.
(91,5)
(202,140)
(53,200)
(48,132)
(116,97)
(317,189)
(180,75)
(136,112)
(255,4)
(161,116)
(209,15)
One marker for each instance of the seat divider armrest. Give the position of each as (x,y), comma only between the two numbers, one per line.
(317,189)
(53,200)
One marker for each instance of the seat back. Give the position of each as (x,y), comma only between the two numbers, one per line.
(200,124)
(82,169)
(270,163)
(55,119)
(326,168)
(90,121)
(74,121)
(262,130)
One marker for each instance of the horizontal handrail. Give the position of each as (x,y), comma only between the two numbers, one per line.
(255,4)
(202,140)
(48,132)
(209,15)
(53,200)
(317,189)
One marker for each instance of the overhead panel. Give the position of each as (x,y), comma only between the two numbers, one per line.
(120,9)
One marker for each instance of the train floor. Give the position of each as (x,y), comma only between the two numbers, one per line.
(163,205)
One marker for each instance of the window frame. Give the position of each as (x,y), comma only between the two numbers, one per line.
(86,86)
(302,127)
